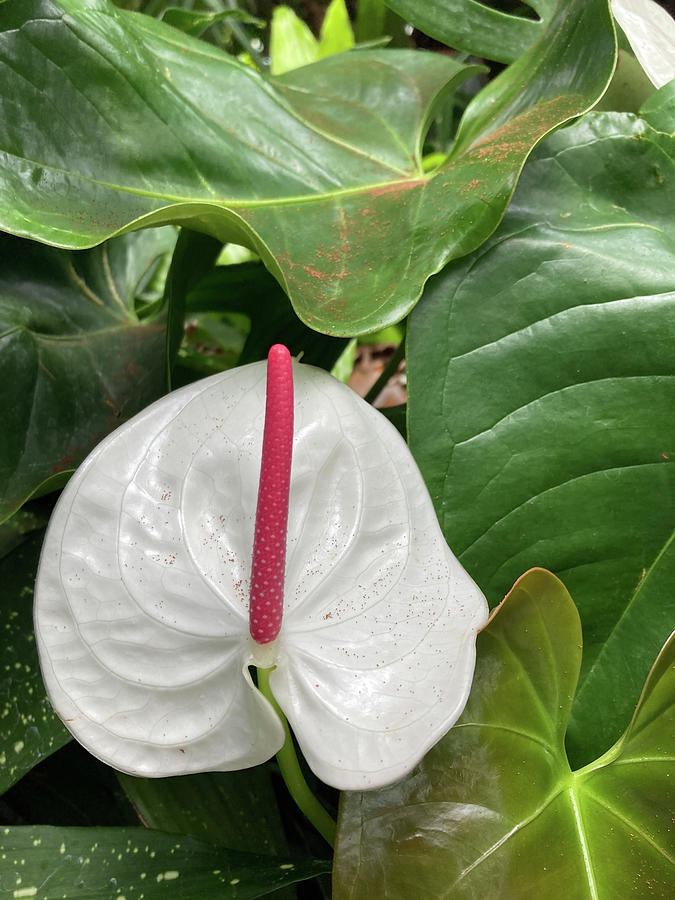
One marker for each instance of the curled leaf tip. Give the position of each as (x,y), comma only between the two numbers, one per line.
(271,521)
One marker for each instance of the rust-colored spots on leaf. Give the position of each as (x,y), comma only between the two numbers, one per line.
(323,276)
(395,187)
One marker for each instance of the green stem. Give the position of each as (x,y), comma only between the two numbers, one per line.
(390,369)
(291,772)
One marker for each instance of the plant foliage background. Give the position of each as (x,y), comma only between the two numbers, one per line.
(180,187)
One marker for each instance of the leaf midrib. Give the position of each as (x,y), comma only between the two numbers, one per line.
(626,610)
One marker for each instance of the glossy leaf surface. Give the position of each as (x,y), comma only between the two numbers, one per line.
(237,810)
(476,27)
(48,863)
(143,592)
(494,810)
(319,171)
(75,361)
(29,729)
(541,378)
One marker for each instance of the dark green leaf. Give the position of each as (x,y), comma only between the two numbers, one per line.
(237,810)
(15,530)
(494,810)
(48,863)
(319,171)
(70,787)
(542,387)
(397,416)
(248,288)
(75,361)
(477,28)
(29,728)
(212,343)
(195,22)
(193,256)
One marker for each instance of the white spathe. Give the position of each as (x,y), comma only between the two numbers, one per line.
(651,33)
(141,601)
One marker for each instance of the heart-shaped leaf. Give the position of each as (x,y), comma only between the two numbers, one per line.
(75,360)
(142,597)
(319,171)
(476,27)
(494,809)
(50,863)
(541,397)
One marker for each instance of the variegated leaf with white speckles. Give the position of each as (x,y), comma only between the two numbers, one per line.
(47,863)
(29,730)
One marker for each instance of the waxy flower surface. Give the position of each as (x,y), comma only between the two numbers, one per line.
(142,597)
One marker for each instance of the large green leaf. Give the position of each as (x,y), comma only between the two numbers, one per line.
(319,171)
(29,728)
(542,386)
(494,809)
(477,28)
(48,863)
(75,361)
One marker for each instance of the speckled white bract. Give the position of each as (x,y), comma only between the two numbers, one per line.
(142,593)
(651,33)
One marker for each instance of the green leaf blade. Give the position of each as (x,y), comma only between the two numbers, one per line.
(137,860)
(29,728)
(321,170)
(543,424)
(237,810)
(76,361)
(491,812)
(474,27)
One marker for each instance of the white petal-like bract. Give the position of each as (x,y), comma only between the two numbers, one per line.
(651,33)
(141,606)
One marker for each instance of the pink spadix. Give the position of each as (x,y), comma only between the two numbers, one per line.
(268,566)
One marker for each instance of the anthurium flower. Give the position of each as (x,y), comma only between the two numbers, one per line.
(144,587)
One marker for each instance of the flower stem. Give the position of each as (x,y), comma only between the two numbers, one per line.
(292,774)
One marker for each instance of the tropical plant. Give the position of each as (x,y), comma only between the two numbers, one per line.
(183,185)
